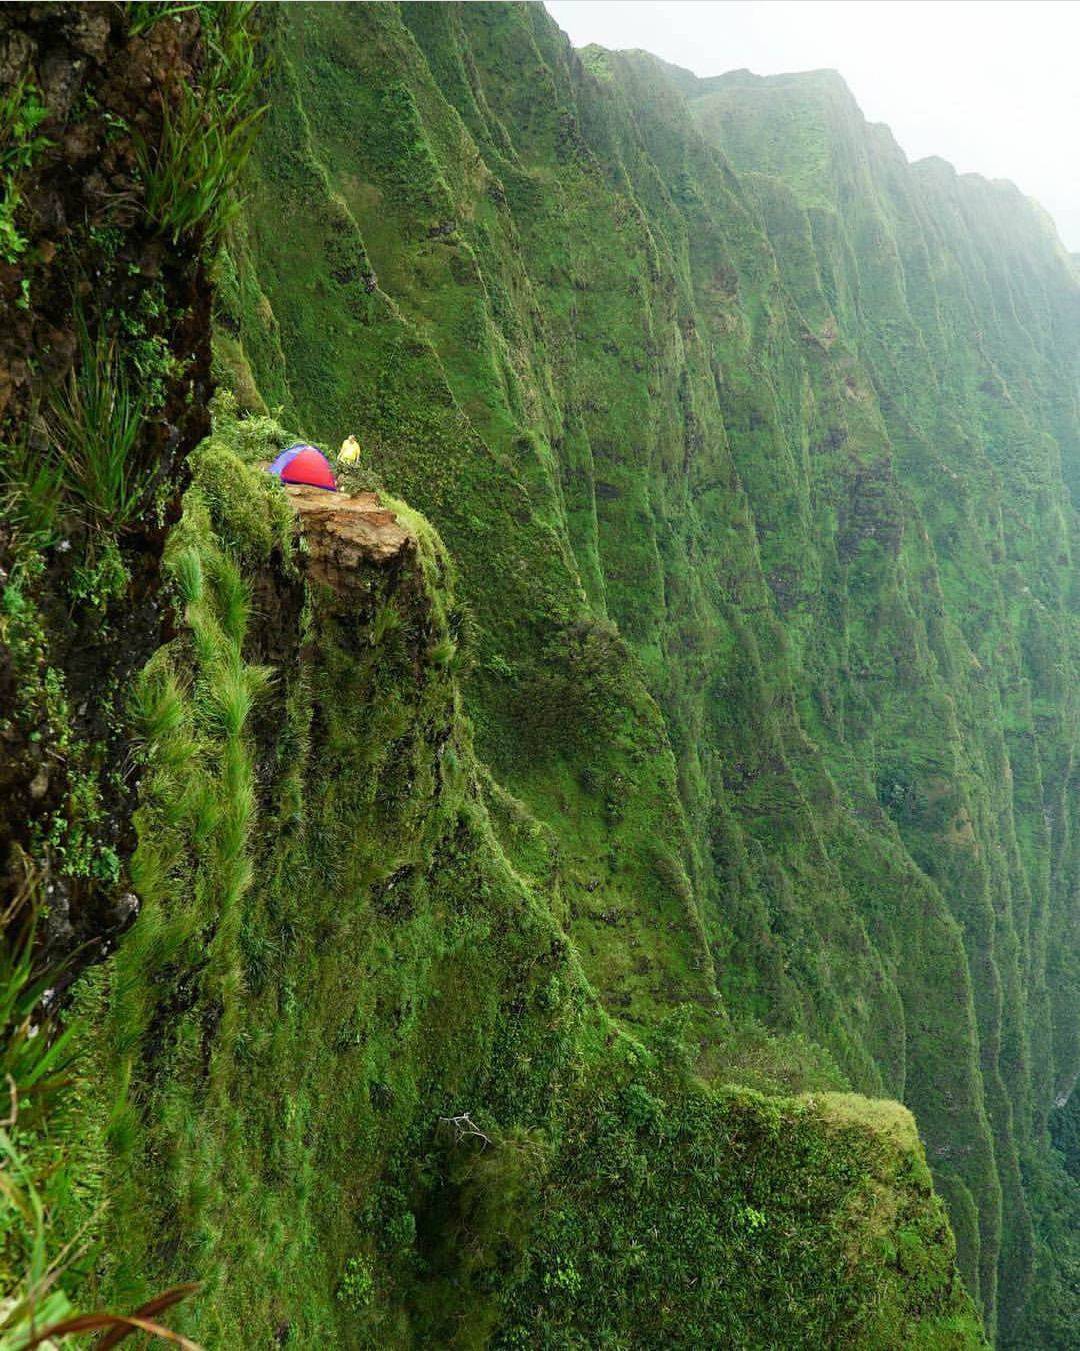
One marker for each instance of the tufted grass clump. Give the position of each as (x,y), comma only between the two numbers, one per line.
(191,174)
(83,468)
(94,422)
(31,495)
(187,574)
(82,464)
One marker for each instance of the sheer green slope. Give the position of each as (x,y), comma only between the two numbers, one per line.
(753,444)
(357,1084)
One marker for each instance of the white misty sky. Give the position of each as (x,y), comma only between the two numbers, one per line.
(993,86)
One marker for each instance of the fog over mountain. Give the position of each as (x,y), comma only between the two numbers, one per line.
(989,85)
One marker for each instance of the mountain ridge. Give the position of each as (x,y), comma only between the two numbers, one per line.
(555,934)
(636,88)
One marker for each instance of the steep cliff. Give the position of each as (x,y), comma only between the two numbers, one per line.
(358,1083)
(711,363)
(546,903)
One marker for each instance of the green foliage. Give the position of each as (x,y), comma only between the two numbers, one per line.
(247,506)
(750,446)
(102,578)
(39,1157)
(143,14)
(191,175)
(294,831)
(256,439)
(86,462)
(95,423)
(357,1286)
(33,1300)
(31,1055)
(148,353)
(444,651)
(1065,1134)
(499,1182)
(32,487)
(689,376)
(94,359)
(21,113)
(763,1189)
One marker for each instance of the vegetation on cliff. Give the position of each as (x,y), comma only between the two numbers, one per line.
(542,918)
(709,362)
(468,1149)
(104,389)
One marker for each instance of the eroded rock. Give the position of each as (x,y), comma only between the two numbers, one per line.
(346,533)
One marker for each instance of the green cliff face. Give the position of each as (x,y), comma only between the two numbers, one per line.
(410,1121)
(544,916)
(708,361)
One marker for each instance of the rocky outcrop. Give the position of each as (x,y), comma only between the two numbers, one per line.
(343,532)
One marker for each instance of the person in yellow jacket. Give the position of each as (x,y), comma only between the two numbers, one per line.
(350,451)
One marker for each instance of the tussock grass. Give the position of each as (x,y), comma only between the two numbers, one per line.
(157,707)
(186,569)
(31,494)
(191,175)
(88,467)
(95,421)
(232,599)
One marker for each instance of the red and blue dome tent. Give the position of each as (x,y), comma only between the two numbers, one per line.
(304,464)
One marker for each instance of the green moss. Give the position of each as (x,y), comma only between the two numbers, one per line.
(536,947)
(467,1146)
(743,520)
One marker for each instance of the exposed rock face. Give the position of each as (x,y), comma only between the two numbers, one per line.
(343,532)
